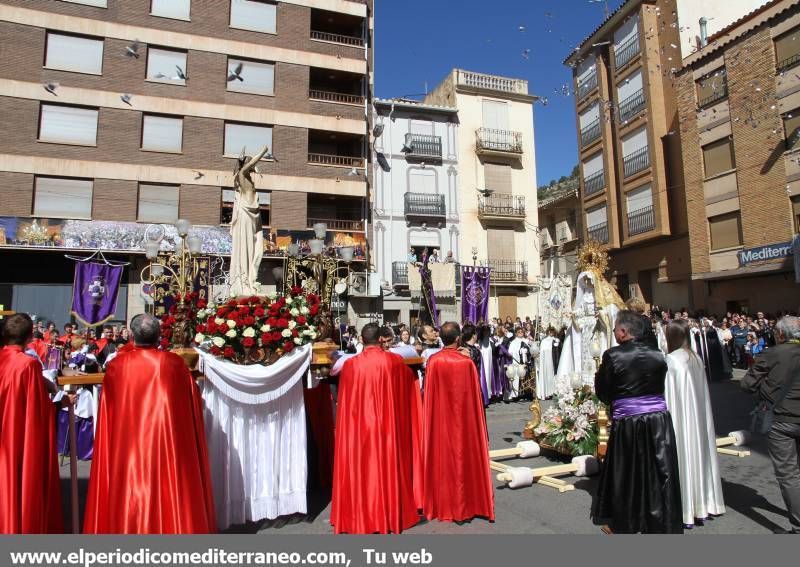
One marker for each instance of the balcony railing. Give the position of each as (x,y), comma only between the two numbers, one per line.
(598,233)
(329,96)
(400,273)
(492,82)
(642,220)
(631,106)
(717,95)
(588,85)
(790,61)
(502,205)
(565,234)
(594,183)
(337,38)
(590,133)
(336,161)
(636,161)
(338,224)
(493,140)
(424,205)
(626,51)
(545,241)
(508,271)
(423,146)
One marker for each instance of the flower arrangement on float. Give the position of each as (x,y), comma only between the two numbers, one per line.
(570,425)
(257,330)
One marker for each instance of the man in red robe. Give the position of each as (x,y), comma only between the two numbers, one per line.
(377,459)
(457,481)
(30,492)
(150,471)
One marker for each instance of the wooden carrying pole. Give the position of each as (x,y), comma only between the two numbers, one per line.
(543,479)
(73,470)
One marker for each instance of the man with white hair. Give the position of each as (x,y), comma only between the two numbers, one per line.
(775,377)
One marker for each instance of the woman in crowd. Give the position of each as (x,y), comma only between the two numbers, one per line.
(405,336)
(688,401)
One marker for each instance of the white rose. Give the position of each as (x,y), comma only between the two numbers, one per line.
(294,312)
(304,310)
(292,324)
(305,332)
(312,336)
(218,341)
(298,341)
(231,334)
(272,296)
(286,333)
(231,324)
(249,332)
(219,320)
(199,338)
(265,328)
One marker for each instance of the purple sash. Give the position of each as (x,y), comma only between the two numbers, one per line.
(628,407)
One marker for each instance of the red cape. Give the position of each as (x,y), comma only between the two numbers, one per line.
(30,492)
(39,347)
(457,481)
(376,459)
(150,470)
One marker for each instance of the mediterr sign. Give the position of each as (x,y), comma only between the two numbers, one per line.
(764,253)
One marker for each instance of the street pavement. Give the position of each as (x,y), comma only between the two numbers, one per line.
(752,497)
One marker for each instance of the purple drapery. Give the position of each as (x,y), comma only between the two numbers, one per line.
(475,293)
(84,430)
(94,292)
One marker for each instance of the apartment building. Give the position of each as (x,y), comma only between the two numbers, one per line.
(560,231)
(415,198)
(496,183)
(739,106)
(121,115)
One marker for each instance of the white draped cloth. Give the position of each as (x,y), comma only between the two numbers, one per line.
(255,423)
(545,371)
(689,404)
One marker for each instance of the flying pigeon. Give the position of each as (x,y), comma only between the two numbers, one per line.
(51,87)
(236,73)
(133,49)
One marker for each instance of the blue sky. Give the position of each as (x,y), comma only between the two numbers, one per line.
(421,40)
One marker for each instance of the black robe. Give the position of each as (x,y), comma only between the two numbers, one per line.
(639,487)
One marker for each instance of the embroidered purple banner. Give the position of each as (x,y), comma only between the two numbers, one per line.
(94,292)
(475,293)
(628,407)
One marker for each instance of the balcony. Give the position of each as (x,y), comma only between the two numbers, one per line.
(565,234)
(640,221)
(788,63)
(508,272)
(594,183)
(631,106)
(598,233)
(335,149)
(502,206)
(587,86)
(717,95)
(492,141)
(636,161)
(424,205)
(400,274)
(337,225)
(590,133)
(422,147)
(491,82)
(337,38)
(341,98)
(335,161)
(626,51)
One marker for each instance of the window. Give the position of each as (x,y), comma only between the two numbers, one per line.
(422,181)
(791,129)
(596,217)
(712,88)
(98,3)
(639,199)
(247,139)
(176,9)
(68,125)
(718,157)
(166,65)
(253,77)
(725,231)
(62,198)
(162,133)
(158,203)
(497,177)
(787,49)
(253,15)
(495,115)
(796,212)
(226,213)
(74,53)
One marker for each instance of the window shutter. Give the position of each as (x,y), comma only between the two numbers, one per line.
(500,244)
(725,231)
(257,77)
(178,9)
(63,198)
(74,53)
(246,138)
(68,124)
(718,157)
(158,203)
(497,177)
(253,15)
(162,133)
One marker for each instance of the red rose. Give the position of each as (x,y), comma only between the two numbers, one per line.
(312,299)
(231,303)
(211,328)
(166,333)
(313,310)
(288,346)
(301,319)
(281,301)
(248,342)
(282,323)
(200,328)
(258,312)
(228,352)
(201,304)
(221,312)
(249,320)
(272,322)
(254,300)
(216,351)
(296,290)
(276,337)
(295,333)
(265,338)
(244,310)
